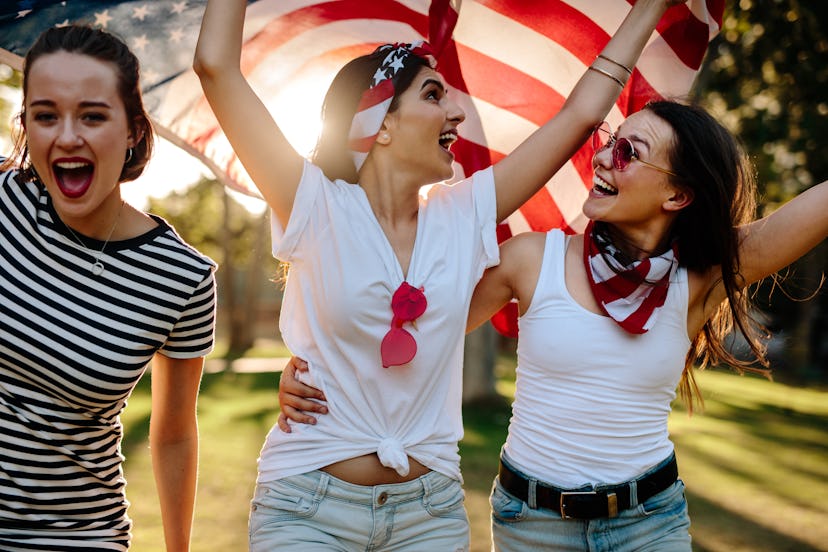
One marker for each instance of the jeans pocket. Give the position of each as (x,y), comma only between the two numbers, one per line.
(667,501)
(505,507)
(278,501)
(446,501)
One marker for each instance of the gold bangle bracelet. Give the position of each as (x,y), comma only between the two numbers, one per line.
(607,74)
(621,65)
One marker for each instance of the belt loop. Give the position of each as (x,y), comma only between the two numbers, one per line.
(425,483)
(532,494)
(321,486)
(633,494)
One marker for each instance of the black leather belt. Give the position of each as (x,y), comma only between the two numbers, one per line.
(602,503)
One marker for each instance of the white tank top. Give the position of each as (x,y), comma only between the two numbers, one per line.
(592,400)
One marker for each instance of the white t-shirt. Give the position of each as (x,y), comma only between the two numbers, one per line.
(592,400)
(337,308)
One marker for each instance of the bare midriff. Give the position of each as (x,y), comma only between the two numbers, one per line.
(367,470)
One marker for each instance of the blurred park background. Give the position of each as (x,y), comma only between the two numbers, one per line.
(755,462)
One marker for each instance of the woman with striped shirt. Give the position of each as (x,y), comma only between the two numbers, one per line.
(91,291)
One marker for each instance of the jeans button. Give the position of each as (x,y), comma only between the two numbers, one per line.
(382,498)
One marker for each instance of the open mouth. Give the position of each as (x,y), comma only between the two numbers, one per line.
(602,187)
(73,177)
(447,139)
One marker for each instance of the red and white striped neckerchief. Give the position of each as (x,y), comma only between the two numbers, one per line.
(374,104)
(631,294)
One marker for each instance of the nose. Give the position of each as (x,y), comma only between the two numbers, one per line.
(69,137)
(455,112)
(603,158)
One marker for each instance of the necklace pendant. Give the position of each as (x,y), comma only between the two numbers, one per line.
(97,268)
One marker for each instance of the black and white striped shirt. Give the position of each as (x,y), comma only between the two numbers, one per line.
(72,347)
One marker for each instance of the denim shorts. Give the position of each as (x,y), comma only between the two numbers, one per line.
(318,512)
(659,524)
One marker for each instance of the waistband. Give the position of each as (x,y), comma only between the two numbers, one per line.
(320,483)
(602,502)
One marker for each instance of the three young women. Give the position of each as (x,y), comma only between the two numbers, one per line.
(380,279)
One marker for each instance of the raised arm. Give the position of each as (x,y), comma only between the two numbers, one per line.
(774,242)
(766,246)
(262,148)
(523,172)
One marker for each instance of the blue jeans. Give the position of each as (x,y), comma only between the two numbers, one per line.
(659,524)
(317,512)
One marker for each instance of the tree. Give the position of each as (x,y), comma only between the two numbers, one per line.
(765,78)
(209,218)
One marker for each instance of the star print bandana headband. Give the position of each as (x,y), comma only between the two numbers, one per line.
(377,99)
(631,294)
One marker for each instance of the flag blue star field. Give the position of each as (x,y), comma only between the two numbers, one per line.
(510,64)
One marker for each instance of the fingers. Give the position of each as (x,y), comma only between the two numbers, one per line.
(296,399)
(288,384)
(283,423)
(294,415)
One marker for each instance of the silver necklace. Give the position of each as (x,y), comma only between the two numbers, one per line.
(98,267)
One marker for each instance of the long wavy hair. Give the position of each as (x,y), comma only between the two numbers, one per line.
(106,47)
(713,165)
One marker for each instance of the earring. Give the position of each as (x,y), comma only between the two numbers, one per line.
(128,156)
(385,138)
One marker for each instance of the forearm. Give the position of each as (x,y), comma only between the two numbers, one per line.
(782,237)
(175,465)
(597,90)
(220,39)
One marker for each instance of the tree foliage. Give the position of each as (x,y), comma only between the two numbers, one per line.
(765,77)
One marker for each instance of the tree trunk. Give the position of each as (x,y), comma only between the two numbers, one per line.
(478,365)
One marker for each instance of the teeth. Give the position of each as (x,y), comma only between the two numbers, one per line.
(68,165)
(603,185)
(449,137)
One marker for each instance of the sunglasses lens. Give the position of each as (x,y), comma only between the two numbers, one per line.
(408,302)
(622,154)
(397,348)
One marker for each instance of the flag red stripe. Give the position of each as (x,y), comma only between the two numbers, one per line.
(686,35)
(512,90)
(542,213)
(569,27)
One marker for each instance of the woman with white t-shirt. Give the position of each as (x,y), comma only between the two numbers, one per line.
(380,279)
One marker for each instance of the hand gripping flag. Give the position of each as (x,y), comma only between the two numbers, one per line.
(510,64)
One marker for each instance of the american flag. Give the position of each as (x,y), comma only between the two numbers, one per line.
(511,64)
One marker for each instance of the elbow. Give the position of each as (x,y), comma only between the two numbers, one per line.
(208,65)
(202,68)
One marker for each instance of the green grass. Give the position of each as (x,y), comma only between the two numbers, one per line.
(755,462)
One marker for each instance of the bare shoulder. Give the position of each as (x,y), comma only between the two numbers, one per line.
(522,256)
(524,248)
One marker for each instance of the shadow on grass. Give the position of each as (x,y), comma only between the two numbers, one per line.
(716,528)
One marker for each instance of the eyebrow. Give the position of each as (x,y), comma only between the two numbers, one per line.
(435,82)
(640,140)
(86,105)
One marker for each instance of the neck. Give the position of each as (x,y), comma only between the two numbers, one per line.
(394,199)
(636,245)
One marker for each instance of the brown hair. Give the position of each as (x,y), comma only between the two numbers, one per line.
(713,164)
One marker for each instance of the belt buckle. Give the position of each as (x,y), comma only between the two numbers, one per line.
(612,502)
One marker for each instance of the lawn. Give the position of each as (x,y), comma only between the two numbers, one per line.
(755,463)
